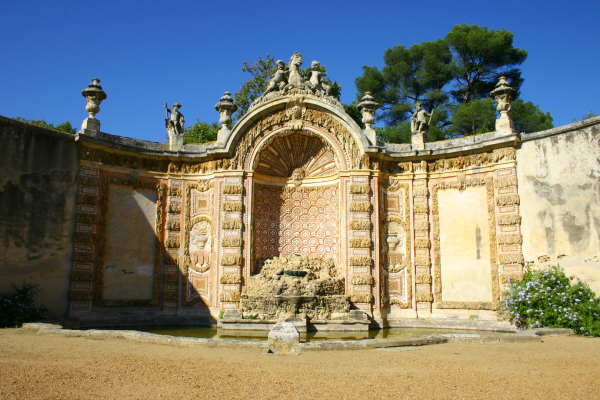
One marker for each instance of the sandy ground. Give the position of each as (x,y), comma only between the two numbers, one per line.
(45,367)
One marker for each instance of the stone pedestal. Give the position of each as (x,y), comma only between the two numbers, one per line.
(505,124)
(371,135)
(90,124)
(418,140)
(222,137)
(175,142)
(284,338)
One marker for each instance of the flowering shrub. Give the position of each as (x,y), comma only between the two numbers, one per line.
(18,308)
(547,298)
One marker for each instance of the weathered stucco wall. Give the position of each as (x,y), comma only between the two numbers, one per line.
(38,170)
(559,188)
(465,245)
(130,243)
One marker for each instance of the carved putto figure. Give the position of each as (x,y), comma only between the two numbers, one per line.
(315,79)
(277,82)
(418,121)
(176,123)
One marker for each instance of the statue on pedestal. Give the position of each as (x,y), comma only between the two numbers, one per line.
(418,121)
(176,123)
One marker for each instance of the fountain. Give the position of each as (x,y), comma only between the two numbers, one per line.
(307,291)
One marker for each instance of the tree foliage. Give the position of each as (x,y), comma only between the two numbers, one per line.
(480,57)
(416,74)
(64,127)
(200,132)
(452,77)
(250,90)
(529,118)
(474,117)
(585,116)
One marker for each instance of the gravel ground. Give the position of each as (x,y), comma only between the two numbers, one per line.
(48,367)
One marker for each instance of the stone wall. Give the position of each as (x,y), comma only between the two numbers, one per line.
(38,187)
(559,187)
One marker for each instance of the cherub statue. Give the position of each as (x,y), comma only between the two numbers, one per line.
(418,121)
(176,123)
(315,79)
(277,82)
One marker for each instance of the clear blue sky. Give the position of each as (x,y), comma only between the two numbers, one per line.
(146,53)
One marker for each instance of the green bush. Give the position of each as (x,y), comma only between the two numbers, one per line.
(18,308)
(548,298)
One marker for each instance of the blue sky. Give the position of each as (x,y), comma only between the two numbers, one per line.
(146,53)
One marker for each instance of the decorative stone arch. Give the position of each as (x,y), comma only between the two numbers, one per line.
(341,159)
(320,117)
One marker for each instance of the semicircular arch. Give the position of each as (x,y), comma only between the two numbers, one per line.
(322,117)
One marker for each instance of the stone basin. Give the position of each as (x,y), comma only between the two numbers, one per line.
(300,274)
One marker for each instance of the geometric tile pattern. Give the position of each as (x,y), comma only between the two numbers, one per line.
(290,221)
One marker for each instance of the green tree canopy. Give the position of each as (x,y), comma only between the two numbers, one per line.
(529,118)
(416,74)
(480,57)
(452,77)
(200,132)
(64,127)
(474,117)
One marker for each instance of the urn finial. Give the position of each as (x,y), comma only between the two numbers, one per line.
(94,96)
(368,106)
(503,93)
(226,107)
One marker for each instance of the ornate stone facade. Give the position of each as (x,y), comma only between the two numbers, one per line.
(296,179)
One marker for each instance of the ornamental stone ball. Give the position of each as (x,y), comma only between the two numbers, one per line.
(94,96)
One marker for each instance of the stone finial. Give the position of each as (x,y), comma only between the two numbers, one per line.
(503,94)
(226,107)
(368,106)
(94,96)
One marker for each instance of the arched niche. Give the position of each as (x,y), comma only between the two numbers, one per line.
(296,194)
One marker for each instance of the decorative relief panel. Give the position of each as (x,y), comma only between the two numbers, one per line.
(285,154)
(289,221)
(395,244)
(199,243)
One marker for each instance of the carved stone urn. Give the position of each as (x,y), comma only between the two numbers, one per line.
(226,108)
(368,106)
(94,96)
(201,240)
(503,93)
(393,241)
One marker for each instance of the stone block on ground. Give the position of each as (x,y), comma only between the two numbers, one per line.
(284,338)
